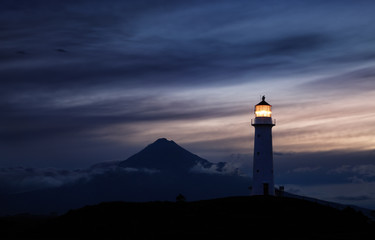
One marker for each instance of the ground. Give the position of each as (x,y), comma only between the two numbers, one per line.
(270,217)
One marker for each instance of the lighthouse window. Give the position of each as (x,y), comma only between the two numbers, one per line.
(258,135)
(258,153)
(263,111)
(257,170)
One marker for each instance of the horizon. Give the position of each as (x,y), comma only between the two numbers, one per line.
(84,82)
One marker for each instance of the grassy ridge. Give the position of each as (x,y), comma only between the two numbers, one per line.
(271,217)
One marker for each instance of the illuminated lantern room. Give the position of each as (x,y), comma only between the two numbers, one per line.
(263,109)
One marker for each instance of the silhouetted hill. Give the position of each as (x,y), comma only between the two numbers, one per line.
(250,217)
(166,155)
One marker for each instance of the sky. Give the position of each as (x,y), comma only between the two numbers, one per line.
(90,81)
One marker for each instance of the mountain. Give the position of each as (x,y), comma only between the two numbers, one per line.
(165,155)
(159,172)
(224,218)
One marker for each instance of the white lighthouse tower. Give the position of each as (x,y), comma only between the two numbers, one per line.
(263,182)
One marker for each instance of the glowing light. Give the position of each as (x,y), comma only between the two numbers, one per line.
(263,111)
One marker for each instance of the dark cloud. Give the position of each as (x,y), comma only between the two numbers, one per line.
(358,173)
(293,45)
(199,62)
(360,80)
(354,198)
(24,179)
(20,179)
(110,45)
(329,159)
(37,122)
(324,167)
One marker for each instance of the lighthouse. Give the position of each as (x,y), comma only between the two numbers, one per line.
(263,181)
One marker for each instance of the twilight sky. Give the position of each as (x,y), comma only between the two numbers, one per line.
(86,81)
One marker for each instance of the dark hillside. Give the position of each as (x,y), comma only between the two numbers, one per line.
(270,217)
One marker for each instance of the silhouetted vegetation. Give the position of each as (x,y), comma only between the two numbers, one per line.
(270,217)
(180,198)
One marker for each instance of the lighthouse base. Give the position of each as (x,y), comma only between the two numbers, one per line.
(263,179)
(264,189)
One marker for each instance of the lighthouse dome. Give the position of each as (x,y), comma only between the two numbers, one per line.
(263,102)
(263,109)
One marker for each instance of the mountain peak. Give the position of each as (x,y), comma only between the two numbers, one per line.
(163,141)
(165,155)
(160,140)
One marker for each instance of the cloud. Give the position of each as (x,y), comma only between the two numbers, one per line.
(293,44)
(360,173)
(199,168)
(222,168)
(332,161)
(358,80)
(364,171)
(202,62)
(342,169)
(23,179)
(112,48)
(360,194)
(240,163)
(54,120)
(354,198)
(323,168)
(305,169)
(356,179)
(143,170)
